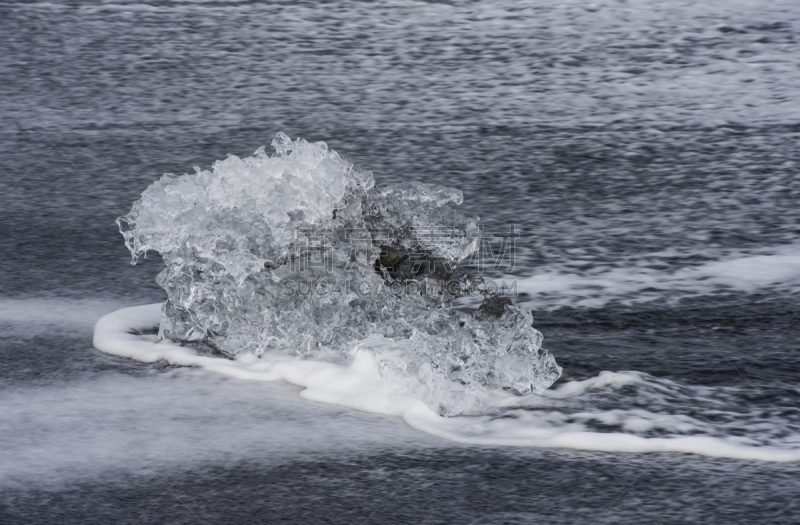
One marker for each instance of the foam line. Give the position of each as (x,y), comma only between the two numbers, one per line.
(558,286)
(33,315)
(359,386)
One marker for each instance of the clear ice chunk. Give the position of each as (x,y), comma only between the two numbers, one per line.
(299,250)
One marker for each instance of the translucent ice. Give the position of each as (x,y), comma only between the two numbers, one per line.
(299,251)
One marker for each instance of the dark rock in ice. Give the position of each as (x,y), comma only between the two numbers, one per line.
(493,307)
(389,257)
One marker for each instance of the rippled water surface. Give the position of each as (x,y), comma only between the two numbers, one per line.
(647,152)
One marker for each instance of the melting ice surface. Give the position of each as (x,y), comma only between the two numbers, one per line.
(300,252)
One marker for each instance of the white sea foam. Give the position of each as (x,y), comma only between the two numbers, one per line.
(534,421)
(778,268)
(168,421)
(32,315)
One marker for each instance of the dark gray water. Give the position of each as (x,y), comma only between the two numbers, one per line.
(646,151)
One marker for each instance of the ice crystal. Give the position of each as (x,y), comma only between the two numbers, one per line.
(299,250)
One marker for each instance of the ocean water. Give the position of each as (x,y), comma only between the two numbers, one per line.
(646,152)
